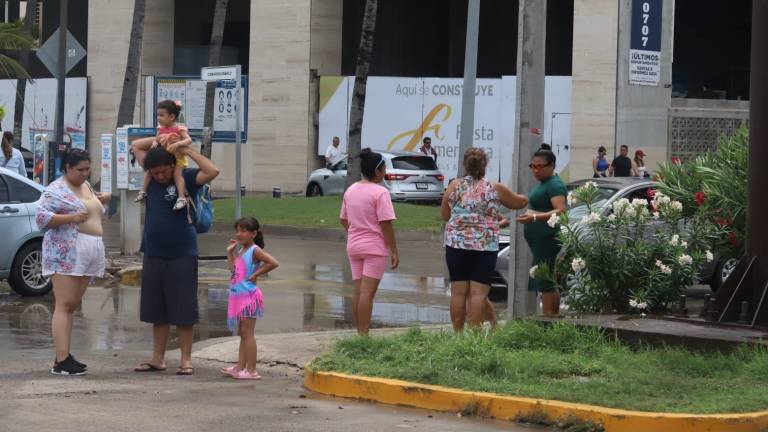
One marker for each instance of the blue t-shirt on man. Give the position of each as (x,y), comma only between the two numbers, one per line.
(168,233)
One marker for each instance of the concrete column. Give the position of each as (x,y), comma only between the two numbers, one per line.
(594,82)
(531,50)
(642,111)
(109,29)
(275,153)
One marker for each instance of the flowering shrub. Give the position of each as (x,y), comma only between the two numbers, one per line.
(714,185)
(637,258)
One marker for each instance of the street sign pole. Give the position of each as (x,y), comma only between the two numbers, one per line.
(61,72)
(219,73)
(238,147)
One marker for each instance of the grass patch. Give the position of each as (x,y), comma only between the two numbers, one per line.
(321,212)
(563,362)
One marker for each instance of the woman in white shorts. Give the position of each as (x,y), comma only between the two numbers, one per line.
(69,213)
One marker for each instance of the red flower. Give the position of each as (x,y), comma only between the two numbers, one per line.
(733,239)
(723,222)
(676,160)
(651,193)
(700,197)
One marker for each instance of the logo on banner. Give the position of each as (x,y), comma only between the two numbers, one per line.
(427,125)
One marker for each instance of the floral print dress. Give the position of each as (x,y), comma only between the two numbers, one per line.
(475,214)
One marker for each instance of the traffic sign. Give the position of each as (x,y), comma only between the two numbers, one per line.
(49,52)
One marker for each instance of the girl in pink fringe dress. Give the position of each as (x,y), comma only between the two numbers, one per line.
(246,302)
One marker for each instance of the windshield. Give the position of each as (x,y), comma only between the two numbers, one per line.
(578,211)
(414,163)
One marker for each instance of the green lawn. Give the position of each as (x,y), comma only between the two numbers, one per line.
(565,363)
(321,212)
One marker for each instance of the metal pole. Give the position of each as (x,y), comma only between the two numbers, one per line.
(61,72)
(238,147)
(470,76)
(757,176)
(531,45)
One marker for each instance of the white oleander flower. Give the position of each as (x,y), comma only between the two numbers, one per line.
(553,220)
(590,184)
(710,257)
(578,264)
(611,217)
(660,198)
(684,244)
(642,305)
(571,199)
(664,268)
(620,205)
(593,217)
(675,240)
(685,260)
(633,303)
(563,230)
(656,215)
(677,205)
(639,202)
(532,271)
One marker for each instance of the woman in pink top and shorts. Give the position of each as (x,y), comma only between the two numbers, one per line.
(367,215)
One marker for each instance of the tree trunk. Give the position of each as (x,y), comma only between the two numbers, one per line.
(21,84)
(131,82)
(357,110)
(214,58)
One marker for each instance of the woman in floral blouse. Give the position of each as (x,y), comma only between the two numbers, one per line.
(69,214)
(472,205)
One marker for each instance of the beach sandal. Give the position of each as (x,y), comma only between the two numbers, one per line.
(139,198)
(148,367)
(181,202)
(245,375)
(185,370)
(229,371)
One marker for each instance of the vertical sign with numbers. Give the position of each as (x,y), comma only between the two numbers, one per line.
(645,43)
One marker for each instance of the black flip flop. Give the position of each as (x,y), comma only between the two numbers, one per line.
(149,368)
(185,371)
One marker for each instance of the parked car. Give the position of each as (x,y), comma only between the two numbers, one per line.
(21,248)
(611,190)
(410,177)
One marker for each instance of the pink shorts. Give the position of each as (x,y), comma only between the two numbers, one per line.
(372,266)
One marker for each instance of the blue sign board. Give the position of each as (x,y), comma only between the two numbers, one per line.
(645,42)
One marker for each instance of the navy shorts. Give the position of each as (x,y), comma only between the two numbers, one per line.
(470,265)
(169,291)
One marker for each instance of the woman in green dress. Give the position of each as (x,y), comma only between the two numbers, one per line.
(547,199)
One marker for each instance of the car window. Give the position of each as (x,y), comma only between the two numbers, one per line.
(4,196)
(414,163)
(20,191)
(579,210)
(340,166)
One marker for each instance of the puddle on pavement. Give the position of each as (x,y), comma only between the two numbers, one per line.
(304,298)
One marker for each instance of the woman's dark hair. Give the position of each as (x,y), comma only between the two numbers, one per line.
(475,162)
(7,145)
(158,157)
(602,149)
(545,152)
(251,225)
(72,157)
(171,107)
(370,161)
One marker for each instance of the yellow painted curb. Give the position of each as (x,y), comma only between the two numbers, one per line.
(515,408)
(130,275)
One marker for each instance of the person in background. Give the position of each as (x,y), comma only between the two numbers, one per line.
(547,200)
(11,158)
(472,207)
(638,164)
(600,164)
(367,215)
(333,153)
(622,164)
(427,149)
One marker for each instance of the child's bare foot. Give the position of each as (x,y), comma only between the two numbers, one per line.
(181,202)
(142,195)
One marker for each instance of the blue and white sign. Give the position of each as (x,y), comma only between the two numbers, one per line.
(645,43)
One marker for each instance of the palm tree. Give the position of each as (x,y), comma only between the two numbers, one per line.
(13,38)
(131,82)
(21,84)
(358,95)
(214,58)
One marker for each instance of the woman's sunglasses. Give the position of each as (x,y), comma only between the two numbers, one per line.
(538,166)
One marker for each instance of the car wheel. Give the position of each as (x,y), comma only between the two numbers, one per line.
(723,270)
(27,272)
(314,189)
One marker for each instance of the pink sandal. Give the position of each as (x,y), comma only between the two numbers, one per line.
(245,375)
(229,371)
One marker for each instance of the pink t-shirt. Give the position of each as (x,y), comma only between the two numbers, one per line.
(365,205)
